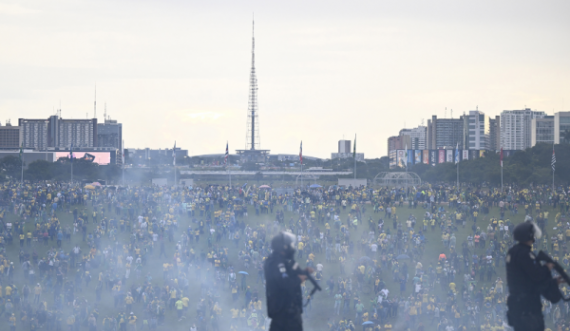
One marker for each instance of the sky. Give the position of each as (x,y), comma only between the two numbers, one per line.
(176,70)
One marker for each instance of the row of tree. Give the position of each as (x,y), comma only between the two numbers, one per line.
(532,165)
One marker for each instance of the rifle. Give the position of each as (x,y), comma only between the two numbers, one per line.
(316,287)
(542,256)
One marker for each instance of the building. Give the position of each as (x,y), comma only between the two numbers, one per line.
(417,137)
(344,146)
(398,142)
(34,133)
(476,130)
(561,125)
(495,133)
(110,134)
(542,130)
(10,137)
(516,128)
(55,132)
(77,133)
(445,133)
(147,156)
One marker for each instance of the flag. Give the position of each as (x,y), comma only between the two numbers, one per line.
(457,153)
(501,156)
(21,152)
(553,163)
(354,150)
(227,154)
(71,153)
(174,154)
(301,153)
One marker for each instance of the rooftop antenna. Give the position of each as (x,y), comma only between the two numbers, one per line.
(105,115)
(95,103)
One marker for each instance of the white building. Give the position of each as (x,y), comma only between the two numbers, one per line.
(417,137)
(516,128)
(542,130)
(477,131)
(561,125)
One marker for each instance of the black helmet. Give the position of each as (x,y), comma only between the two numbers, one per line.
(526,231)
(284,242)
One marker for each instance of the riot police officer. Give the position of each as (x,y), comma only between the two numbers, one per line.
(283,287)
(527,279)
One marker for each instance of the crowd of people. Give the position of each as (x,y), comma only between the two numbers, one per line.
(76,257)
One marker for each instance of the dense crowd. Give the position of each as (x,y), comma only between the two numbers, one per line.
(125,257)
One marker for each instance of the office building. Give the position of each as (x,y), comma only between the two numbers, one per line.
(10,137)
(561,126)
(516,128)
(34,133)
(476,130)
(417,137)
(344,146)
(495,134)
(445,133)
(542,130)
(110,134)
(398,142)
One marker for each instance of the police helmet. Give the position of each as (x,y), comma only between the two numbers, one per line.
(527,231)
(284,243)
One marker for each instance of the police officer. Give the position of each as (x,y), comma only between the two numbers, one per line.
(283,287)
(527,279)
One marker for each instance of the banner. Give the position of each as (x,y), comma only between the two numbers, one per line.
(433,157)
(426,156)
(441,158)
(450,156)
(474,154)
(417,157)
(410,157)
(465,155)
(401,158)
(482,153)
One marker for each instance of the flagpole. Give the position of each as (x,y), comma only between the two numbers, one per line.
(502,189)
(22,171)
(354,156)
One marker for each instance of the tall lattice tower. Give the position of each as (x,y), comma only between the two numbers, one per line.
(252,141)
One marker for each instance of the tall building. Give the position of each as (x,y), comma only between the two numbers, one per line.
(41,134)
(417,137)
(495,133)
(110,134)
(34,133)
(445,133)
(10,137)
(344,146)
(561,125)
(398,142)
(516,128)
(542,130)
(477,130)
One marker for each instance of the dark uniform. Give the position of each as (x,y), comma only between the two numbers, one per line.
(283,290)
(526,279)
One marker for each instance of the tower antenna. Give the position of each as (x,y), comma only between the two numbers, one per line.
(105,115)
(252,135)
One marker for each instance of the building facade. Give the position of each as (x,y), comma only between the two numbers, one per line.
(445,133)
(561,125)
(416,137)
(34,133)
(495,133)
(516,128)
(10,137)
(344,146)
(110,134)
(477,130)
(542,130)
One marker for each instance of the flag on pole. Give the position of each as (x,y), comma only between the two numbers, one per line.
(301,153)
(21,152)
(227,154)
(174,154)
(71,153)
(553,162)
(501,156)
(354,150)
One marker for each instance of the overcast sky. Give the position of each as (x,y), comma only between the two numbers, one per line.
(178,70)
